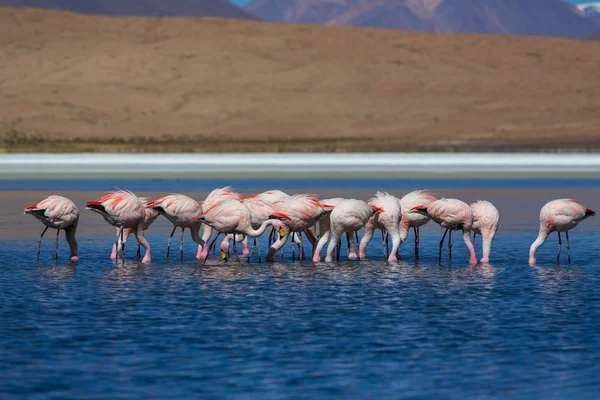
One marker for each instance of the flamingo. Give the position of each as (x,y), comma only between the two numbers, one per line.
(182,211)
(124,210)
(231,216)
(213,198)
(58,213)
(304,211)
(485,223)
(151,215)
(325,231)
(260,212)
(414,220)
(347,217)
(271,198)
(453,215)
(560,215)
(389,219)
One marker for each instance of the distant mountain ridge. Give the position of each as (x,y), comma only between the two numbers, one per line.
(146,8)
(515,17)
(592,9)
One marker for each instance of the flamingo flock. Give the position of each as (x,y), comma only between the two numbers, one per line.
(238,218)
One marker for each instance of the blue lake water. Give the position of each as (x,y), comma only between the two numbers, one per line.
(364,329)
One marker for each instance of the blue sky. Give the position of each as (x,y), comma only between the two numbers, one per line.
(244,2)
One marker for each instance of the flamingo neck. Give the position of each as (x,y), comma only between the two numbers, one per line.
(70,235)
(542,236)
(256,233)
(195,234)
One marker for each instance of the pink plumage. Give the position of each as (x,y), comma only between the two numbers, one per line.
(414,220)
(387,220)
(325,228)
(560,215)
(124,210)
(303,210)
(485,223)
(453,215)
(348,216)
(182,211)
(57,212)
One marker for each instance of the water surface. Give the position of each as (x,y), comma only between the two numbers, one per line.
(364,329)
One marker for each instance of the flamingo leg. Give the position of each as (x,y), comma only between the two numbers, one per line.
(348,238)
(474,236)
(169,245)
(450,246)
(416,230)
(357,243)
(237,258)
(339,249)
(210,246)
(181,245)
(139,251)
(559,246)
(122,248)
(254,246)
(441,245)
(293,248)
(117,244)
(385,248)
(300,248)
(568,246)
(57,234)
(40,243)
(271,236)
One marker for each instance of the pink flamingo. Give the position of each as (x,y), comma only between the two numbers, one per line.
(271,198)
(260,212)
(233,217)
(124,210)
(347,217)
(485,223)
(182,211)
(151,215)
(559,216)
(325,231)
(389,219)
(213,198)
(411,219)
(453,215)
(304,210)
(58,213)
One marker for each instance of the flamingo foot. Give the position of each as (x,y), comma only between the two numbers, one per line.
(352,255)
(485,260)
(74,258)
(147,259)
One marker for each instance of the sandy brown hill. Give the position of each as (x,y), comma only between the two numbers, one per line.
(147,8)
(231,85)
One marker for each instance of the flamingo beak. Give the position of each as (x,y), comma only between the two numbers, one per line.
(419,209)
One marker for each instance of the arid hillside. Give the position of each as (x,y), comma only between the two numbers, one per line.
(73,82)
